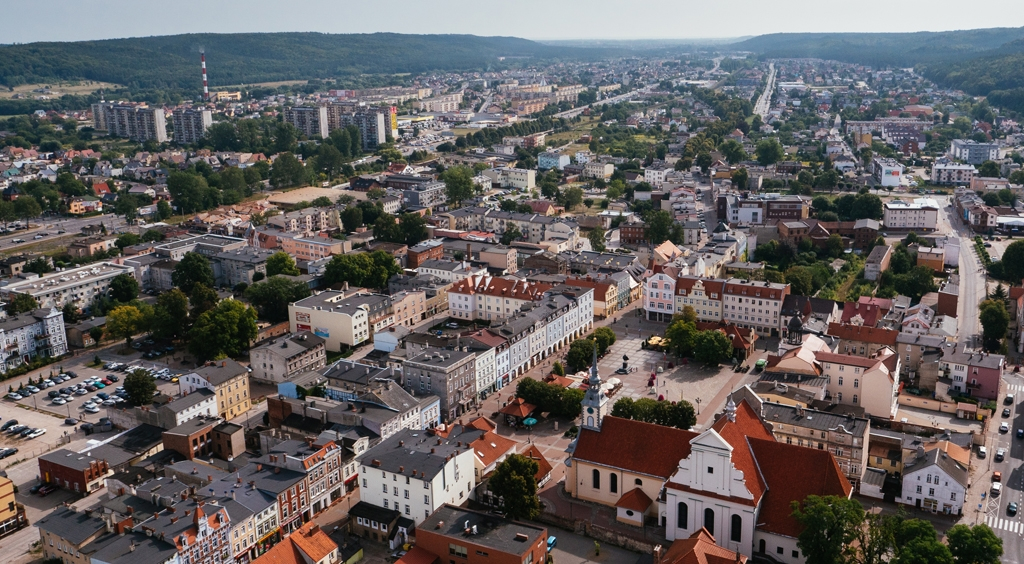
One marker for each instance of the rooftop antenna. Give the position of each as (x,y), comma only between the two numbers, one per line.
(206,87)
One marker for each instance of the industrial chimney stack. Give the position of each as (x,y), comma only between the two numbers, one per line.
(206,86)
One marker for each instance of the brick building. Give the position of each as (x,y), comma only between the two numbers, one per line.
(73,471)
(473,537)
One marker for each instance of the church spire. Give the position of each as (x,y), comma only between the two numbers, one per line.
(595,401)
(595,378)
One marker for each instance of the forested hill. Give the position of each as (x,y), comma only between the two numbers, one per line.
(883,49)
(172,62)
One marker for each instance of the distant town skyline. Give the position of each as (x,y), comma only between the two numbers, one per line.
(64,20)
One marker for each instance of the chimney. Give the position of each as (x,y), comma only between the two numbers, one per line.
(657,554)
(259,467)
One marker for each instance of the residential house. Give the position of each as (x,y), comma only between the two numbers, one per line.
(280,359)
(227,379)
(935,482)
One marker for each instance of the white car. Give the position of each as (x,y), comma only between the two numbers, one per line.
(59,401)
(88,404)
(14,396)
(1004,428)
(109,402)
(92,409)
(36,433)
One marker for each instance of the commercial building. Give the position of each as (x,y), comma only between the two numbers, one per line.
(518,178)
(310,121)
(280,359)
(73,471)
(487,297)
(491,538)
(190,125)
(548,160)
(416,473)
(227,379)
(332,316)
(920,215)
(886,172)
(972,152)
(76,286)
(449,375)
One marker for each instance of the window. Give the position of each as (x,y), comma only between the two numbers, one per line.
(952,496)
(736,531)
(613,483)
(682,515)
(918,489)
(856,382)
(854,399)
(711,469)
(779,550)
(596,479)
(709,520)
(840,380)
(638,482)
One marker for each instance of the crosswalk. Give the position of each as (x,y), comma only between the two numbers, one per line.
(1014,388)
(1015,527)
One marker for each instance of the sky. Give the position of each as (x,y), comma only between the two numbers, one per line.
(67,20)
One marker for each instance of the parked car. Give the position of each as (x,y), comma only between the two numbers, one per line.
(59,401)
(1000,454)
(26,432)
(14,396)
(996,488)
(112,377)
(36,433)
(1004,428)
(10,423)
(997,476)
(16,429)
(4,453)
(47,490)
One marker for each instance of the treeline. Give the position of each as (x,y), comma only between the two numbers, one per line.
(171,62)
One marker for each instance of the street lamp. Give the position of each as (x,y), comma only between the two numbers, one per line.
(698,406)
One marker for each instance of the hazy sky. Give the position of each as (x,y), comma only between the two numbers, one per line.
(66,20)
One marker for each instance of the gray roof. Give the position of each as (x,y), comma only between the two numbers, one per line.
(294,345)
(937,457)
(221,371)
(237,512)
(70,525)
(139,439)
(440,359)
(374,512)
(491,530)
(957,354)
(271,480)
(131,549)
(25,319)
(814,419)
(873,477)
(932,341)
(141,509)
(69,459)
(114,455)
(191,426)
(246,255)
(348,371)
(410,450)
(189,400)
(878,253)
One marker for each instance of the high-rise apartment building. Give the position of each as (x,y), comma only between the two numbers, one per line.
(310,121)
(136,122)
(190,125)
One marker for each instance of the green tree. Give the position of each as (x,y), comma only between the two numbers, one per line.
(170,316)
(917,543)
(989,169)
(458,184)
(193,269)
(271,298)
(387,229)
(596,238)
(1013,262)
(124,288)
(712,347)
(800,280)
(558,369)
(580,354)
(163,210)
(226,330)
(974,545)
(514,482)
(352,218)
(572,198)
(669,414)
(866,206)
(20,303)
(995,321)
(704,161)
(834,245)
(7,212)
(369,270)
(769,152)
(287,171)
(27,208)
(152,236)
(830,524)
(202,299)
(190,192)
(604,337)
(413,227)
(732,150)
(124,322)
(140,387)
(681,336)
(740,178)
(659,224)
(281,263)
(512,233)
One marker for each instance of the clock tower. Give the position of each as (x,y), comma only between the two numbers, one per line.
(595,402)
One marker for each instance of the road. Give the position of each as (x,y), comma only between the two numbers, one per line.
(764,102)
(973,288)
(628,96)
(51,225)
(993,513)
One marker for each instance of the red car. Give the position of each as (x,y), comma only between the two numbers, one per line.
(106,382)
(47,490)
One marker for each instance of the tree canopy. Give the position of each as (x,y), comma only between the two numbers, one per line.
(193,269)
(514,482)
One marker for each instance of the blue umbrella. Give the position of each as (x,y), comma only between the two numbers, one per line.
(529,421)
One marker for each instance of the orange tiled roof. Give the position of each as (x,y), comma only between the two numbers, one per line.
(491,446)
(635,499)
(627,444)
(313,542)
(543,466)
(700,548)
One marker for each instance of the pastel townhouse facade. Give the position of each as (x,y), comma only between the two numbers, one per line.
(871,383)
(972,373)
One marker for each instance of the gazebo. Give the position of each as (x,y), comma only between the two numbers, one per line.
(516,411)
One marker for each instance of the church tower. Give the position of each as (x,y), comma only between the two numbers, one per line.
(595,402)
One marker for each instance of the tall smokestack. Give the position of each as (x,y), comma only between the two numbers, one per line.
(206,86)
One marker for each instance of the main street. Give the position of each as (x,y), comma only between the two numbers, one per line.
(764,102)
(973,288)
(993,511)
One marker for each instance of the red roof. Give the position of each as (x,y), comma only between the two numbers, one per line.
(700,548)
(710,286)
(792,473)
(846,359)
(417,555)
(491,286)
(491,446)
(865,333)
(644,448)
(634,499)
(518,408)
(870,313)
(543,466)
(747,424)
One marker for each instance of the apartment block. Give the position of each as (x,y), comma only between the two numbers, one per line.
(136,122)
(76,286)
(953,173)
(190,125)
(972,152)
(310,121)
(280,359)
